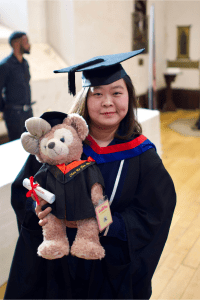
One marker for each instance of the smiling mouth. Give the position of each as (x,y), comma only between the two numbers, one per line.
(57,152)
(108,113)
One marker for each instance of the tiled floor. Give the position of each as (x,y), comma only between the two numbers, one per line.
(2,291)
(178,273)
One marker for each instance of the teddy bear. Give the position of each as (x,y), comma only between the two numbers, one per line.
(77,184)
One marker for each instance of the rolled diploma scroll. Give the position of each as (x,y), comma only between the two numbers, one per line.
(44,194)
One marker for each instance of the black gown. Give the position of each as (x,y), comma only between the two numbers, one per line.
(142,211)
(72,190)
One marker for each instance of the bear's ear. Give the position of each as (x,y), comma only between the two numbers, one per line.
(78,123)
(30,143)
(37,126)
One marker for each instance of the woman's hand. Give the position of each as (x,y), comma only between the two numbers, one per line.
(71,224)
(40,213)
(43,213)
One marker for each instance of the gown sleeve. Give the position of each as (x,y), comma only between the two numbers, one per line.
(117,229)
(149,214)
(18,191)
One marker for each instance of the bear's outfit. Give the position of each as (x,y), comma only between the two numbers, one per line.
(75,186)
(142,211)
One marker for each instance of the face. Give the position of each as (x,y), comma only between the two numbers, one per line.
(108,104)
(25,46)
(61,145)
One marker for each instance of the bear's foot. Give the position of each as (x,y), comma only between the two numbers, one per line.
(86,249)
(53,249)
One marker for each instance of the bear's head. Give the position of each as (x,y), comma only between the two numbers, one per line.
(55,145)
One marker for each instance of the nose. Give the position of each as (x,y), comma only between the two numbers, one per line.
(51,145)
(107,101)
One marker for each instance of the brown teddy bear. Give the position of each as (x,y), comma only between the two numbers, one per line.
(77,185)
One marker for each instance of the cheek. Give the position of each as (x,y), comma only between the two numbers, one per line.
(123,104)
(92,106)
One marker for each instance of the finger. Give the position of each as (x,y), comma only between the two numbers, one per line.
(42,203)
(38,208)
(43,214)
(39,198)
(71,224)
(74,224)
(43,222)
(32,196)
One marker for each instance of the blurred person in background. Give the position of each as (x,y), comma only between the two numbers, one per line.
(15,93)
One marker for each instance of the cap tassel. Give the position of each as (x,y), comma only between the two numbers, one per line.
(71,82)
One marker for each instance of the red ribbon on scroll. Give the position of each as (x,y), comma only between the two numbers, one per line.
(32,191)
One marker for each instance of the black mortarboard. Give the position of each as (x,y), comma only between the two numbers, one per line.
(100,70)
(53,117)
(15,35)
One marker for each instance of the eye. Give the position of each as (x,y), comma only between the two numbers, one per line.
(64,135)
(97,94)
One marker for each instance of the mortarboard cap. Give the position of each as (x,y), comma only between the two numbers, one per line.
(53,117)
(100,70)
(15,35)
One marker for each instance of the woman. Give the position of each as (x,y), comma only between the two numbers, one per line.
(140,190)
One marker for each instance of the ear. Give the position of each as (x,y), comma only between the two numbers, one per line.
(78,123)
(30,143)
(37,126)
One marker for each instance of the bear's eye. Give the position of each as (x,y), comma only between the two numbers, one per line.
(64,135)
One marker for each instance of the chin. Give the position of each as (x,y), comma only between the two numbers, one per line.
(107,125)
(111,121)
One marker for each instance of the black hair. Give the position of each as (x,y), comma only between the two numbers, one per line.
(15,35)
(129,126)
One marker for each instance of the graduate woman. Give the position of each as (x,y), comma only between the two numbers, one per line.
(140,190)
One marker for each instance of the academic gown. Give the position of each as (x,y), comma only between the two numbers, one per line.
(142,211)
(72,189)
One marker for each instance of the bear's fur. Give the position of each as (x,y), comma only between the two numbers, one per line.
(62,144)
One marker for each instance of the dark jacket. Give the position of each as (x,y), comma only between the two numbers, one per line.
(14,82)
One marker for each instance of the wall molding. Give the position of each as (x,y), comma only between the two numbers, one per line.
(182,98)
(183,63)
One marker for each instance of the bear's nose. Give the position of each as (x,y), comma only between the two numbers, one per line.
(51,145)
